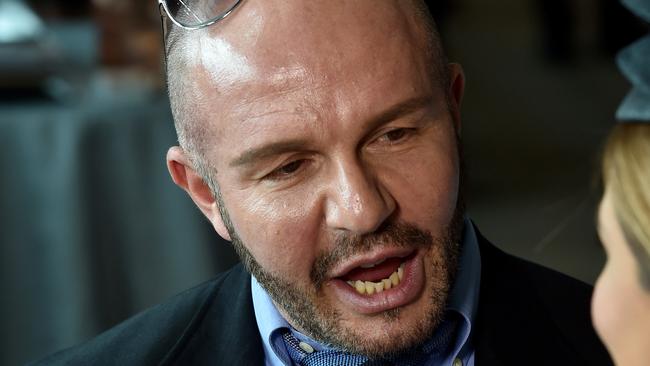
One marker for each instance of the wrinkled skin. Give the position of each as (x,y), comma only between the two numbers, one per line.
(620,306)
(325,120)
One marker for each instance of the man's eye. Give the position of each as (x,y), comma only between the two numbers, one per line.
(394,136)
(286,170)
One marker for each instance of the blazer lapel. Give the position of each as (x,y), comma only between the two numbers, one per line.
(511,329)
(487,345)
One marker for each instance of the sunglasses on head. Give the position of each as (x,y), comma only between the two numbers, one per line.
(196,14)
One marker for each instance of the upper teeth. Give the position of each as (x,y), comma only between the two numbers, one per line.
(368,287)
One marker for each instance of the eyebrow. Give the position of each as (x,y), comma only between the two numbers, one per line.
(399,110)
(276,148)
(260,153)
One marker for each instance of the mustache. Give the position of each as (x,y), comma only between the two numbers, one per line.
(395,234)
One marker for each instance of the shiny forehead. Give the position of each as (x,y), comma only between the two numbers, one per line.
(273,40)
(272,46)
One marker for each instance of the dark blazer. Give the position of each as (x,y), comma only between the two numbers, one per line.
(528,315)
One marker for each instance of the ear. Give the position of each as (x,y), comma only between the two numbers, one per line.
(456,91)
(184,175)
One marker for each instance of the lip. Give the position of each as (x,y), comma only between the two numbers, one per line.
(408,291)
(369,258)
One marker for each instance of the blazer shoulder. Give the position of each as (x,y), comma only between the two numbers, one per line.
(529,310)
(549,284)
(147,338)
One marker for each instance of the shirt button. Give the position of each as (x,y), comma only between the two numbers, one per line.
(458,362)
(309,349)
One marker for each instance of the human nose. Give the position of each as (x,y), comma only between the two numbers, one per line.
(357,201)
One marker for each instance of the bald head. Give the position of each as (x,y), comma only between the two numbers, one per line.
(264,46)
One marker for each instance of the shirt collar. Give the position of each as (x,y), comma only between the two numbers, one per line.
(269,322)
(463,299)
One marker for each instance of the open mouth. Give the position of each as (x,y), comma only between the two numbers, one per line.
(382,282)
(373,278)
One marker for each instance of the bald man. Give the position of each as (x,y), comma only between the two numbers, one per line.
(322,139)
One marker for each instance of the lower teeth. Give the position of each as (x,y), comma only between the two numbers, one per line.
(368,287)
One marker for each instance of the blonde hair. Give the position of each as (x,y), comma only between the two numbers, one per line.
(626,171)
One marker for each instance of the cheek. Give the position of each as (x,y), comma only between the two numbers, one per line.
(607,306)
(280,233)
(427,189)
(598,304)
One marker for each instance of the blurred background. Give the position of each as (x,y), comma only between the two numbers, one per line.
(92,230)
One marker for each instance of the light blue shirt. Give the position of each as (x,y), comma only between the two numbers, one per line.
(462,300)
